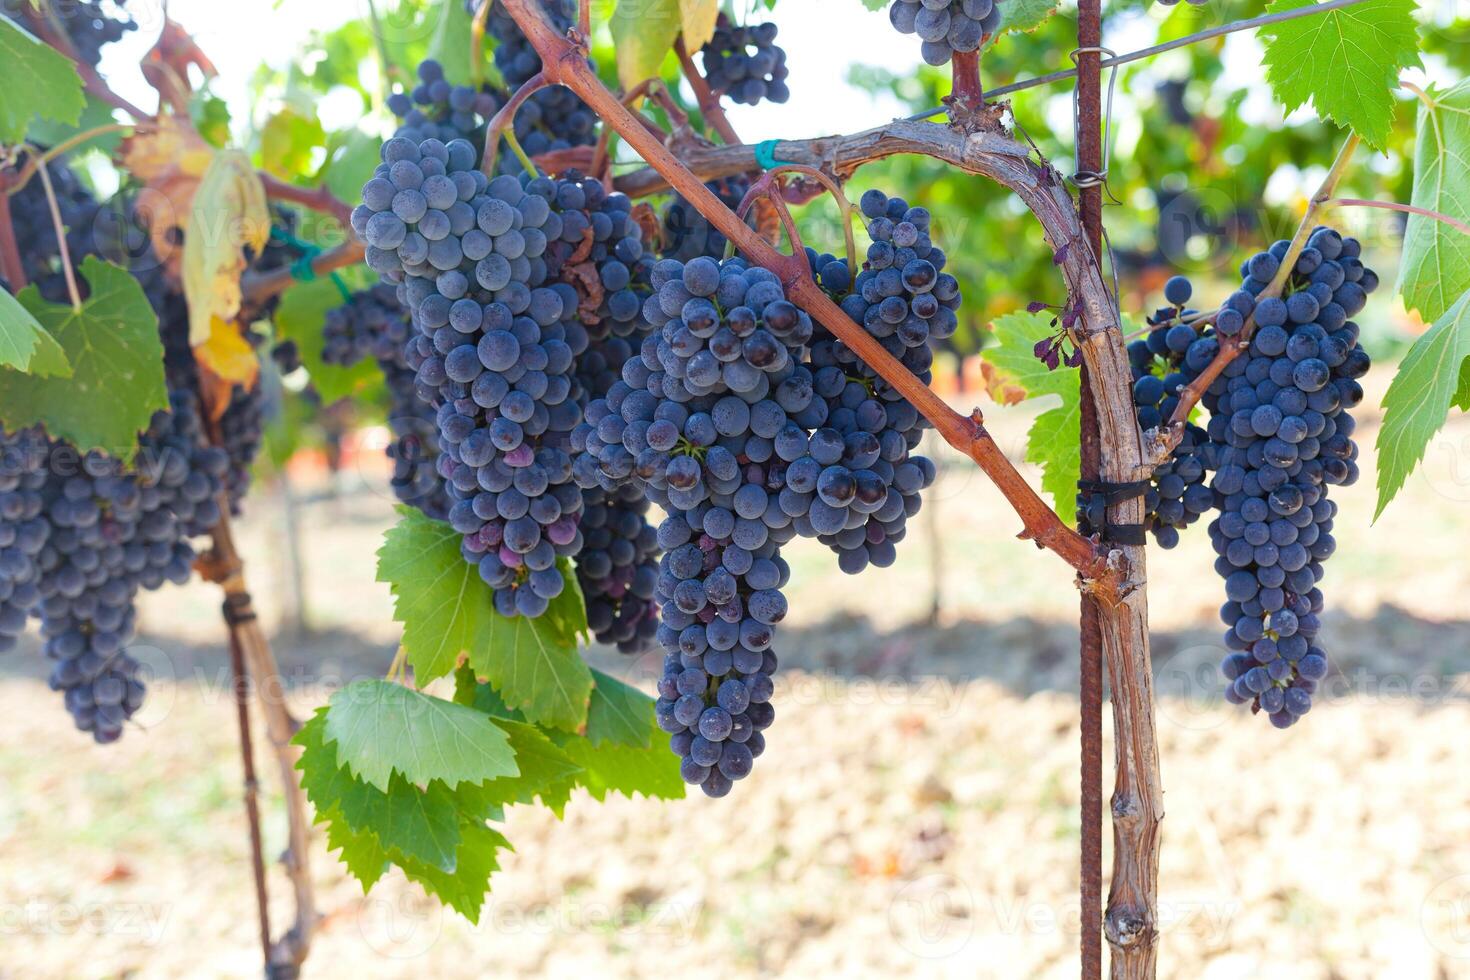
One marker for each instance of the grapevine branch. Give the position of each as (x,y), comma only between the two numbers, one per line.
(564,63)
(316,198)
(257,287)
(240,687)
(1163,439)
(224,566)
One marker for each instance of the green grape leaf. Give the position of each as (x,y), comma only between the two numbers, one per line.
(1436,262)
(382,728)
(618,712)
(116,382)
(1419,398)
(300,317)
(40,84)
(211,117)
(288,141)
(372,831)
(447,46)
(476,860)
(25,345)
(362,855)
(534,663)
(1462,393)
(626,769)
(644,764)
(351,157)
(1346,62)
(420,824)
(447,612)
(1054,440)
(643,33)
(1053,444)
(875,5)
(1024,15)
(95,113)
(546,771)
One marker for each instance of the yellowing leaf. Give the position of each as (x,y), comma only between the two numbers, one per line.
(229,216)
(169,148)
(227,355)
(643,32)
(169,158)
(699,18)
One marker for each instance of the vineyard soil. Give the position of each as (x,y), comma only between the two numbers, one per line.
(940,841)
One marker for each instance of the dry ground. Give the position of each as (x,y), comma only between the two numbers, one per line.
(915,815)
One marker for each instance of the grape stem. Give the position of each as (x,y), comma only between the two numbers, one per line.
(503,123)
(707,99)
(37,158)
(846,209)
(967,97)
(1353,202)
(1161,441)
(477,43)
(316,198)
(11,266)
(385,61)
(563,63)
(61,245)
(256,287)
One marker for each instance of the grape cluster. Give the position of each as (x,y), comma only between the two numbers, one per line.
(618,567)
(699,423)
(1281,415)
(687,234)
(904,300)
(721,603)
(437,109)
(487,269)
(946,26)
(1171,356)
(95,532)
(746,64)
(23,529)
(370,324)
(90,25)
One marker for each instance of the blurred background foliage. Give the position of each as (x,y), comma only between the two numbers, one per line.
(1204,168)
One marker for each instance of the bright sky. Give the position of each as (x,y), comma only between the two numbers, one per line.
(240,35)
